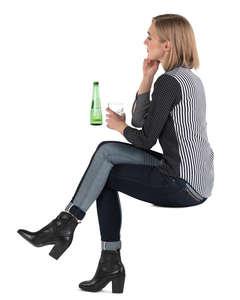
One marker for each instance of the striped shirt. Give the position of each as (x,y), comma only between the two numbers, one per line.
(176,116)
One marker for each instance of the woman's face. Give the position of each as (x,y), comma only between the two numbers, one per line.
(156,49)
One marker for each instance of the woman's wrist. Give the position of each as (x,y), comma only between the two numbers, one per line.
(146,84)
(122,126)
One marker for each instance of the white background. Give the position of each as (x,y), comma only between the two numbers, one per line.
(51,52)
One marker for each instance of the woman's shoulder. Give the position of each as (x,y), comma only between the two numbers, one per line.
(167,81)
(184,76)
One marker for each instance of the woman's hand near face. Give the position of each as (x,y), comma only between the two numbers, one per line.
(150,67)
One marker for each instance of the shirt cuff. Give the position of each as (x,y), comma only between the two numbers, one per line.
(125,131)
(128,131)
(144,97)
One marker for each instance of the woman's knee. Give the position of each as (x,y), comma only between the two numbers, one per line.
(108,144)
(107,148)
(103,148)
(103,145)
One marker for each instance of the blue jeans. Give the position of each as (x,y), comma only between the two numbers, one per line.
(122,167)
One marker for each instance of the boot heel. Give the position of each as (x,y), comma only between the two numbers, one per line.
(58,250)
(118,284)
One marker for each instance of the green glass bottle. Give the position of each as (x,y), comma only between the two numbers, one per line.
(96,112)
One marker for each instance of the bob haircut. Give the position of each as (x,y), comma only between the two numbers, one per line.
(179,32)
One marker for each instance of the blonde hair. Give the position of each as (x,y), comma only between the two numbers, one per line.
(179,32)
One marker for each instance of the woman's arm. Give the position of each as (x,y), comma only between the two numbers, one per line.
(142,102)
(166,91)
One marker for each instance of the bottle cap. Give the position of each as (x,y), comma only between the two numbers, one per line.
(95,82)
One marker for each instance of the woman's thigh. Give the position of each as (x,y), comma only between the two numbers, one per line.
(124,153)
(149,184)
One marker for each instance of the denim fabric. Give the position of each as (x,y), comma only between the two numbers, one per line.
(117,166)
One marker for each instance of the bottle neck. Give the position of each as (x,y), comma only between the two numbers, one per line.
(95,91)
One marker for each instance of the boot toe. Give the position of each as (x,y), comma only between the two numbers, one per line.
(85,283)
(89,286)
(27,235)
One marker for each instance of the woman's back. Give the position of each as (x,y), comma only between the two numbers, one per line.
(187,131)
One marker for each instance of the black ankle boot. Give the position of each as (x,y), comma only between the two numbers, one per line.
(58,232)
(110,268)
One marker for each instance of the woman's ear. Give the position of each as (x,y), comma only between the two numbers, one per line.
(167,45)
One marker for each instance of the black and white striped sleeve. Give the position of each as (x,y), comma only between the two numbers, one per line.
(166,89)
